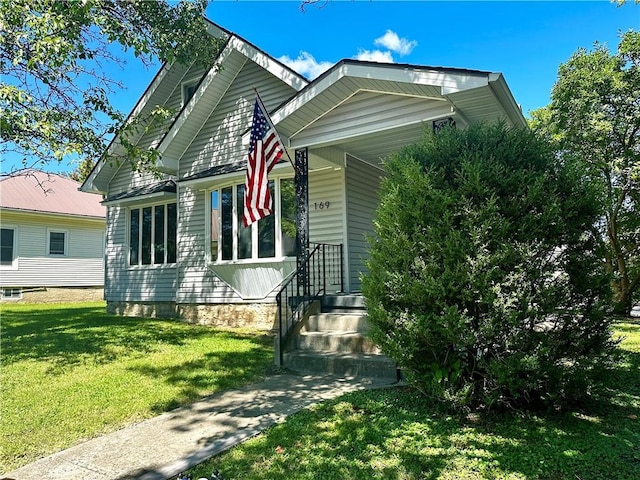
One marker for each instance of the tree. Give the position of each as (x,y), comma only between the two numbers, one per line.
(594,116)
(485,282)
(54,92)
(83,170)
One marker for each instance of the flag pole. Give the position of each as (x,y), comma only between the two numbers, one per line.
(274,128)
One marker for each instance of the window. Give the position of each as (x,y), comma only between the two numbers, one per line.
(7,247)
(188,89)
(57,242)
(11,293)
(273,236)
(152,235)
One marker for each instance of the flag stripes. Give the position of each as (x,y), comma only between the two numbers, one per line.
(265,149)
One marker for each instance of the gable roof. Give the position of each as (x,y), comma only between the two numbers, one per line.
(37,191)
(371,109)
(365,108)
(193,109)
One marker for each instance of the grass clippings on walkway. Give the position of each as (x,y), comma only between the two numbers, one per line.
(71,372)
(398,434)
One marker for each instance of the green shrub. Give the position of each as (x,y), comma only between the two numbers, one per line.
(484,281)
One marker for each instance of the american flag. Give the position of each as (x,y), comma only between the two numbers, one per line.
(265,150)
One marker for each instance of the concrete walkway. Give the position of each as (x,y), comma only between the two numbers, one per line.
(164,446)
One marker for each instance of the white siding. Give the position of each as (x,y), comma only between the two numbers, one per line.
(82,266)
(138,283)
(219,142)
(125,180)
(363,181)
(171,93)
(196,283)
(325,224)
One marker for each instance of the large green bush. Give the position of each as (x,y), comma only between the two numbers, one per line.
(484,281)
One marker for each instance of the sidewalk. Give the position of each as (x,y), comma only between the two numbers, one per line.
(164,446)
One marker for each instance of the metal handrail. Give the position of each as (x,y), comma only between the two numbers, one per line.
(322,269)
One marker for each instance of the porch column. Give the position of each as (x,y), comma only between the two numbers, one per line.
(302,216)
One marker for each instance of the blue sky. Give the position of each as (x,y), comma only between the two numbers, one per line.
(526,41)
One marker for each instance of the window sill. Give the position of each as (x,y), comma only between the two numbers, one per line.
(251,261)
(164,266)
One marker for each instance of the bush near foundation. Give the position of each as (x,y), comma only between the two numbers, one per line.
(484,281)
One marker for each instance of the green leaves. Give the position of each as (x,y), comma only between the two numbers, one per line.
(55,92)
(482,265)
(594,117)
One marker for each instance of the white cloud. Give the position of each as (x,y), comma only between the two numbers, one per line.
(393,42)
(306,65)
(375,56)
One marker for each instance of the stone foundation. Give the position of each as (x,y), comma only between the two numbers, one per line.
(260,316)
(59,295)
(145,310)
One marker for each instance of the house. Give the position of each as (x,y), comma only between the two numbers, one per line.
(176,245)
(51,239)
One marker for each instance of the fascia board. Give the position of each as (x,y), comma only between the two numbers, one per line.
(503,94)
(50,215)
(270,64)
(182,118)
(250,52)
(308,94)
(89,183)
(141,199)
(448,81)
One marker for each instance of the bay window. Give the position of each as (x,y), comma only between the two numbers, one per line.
(152,235)
(271,237)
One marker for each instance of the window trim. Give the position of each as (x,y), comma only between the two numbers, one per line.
(186,86)
(234,182)
(66,242)
(14,252)
(152,263)
(11,296)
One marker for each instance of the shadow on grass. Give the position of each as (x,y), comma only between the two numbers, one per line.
(214,372)
(74,335)
(116,369)
(398,434)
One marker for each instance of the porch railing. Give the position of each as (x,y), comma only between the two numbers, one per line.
(321,272)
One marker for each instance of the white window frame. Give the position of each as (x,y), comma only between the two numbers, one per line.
(153,206)
(11,293)
(14,261)
(66,242)
(234,183)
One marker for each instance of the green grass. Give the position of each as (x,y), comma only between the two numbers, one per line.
(398,434)
(71,372)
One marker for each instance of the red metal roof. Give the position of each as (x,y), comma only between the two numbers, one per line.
(37,191)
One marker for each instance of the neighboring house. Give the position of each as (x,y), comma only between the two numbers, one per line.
(51,239)
(176,246)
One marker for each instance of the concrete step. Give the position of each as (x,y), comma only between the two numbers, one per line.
(323,322)
(345,364)
(335,341)
(342,303)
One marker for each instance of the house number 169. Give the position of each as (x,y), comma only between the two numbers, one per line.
(321,205)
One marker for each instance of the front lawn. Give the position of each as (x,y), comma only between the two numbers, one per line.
(71,372)
(398,434)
